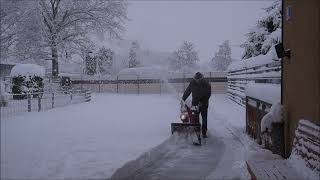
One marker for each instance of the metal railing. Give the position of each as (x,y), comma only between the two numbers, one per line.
(36,102)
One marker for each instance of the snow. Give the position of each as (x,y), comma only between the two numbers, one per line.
(260,60)
(144,72)
(88,140)
(27,70)
(270,93)
(273,116)
(92,140)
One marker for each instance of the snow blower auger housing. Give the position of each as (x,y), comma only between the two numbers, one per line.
(190,122)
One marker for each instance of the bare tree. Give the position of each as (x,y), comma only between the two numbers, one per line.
(10,15)
(68,22)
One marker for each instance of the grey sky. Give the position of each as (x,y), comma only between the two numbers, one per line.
(164,25)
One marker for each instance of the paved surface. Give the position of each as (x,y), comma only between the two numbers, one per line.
(171,160)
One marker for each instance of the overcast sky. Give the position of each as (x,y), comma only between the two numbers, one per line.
(164,25)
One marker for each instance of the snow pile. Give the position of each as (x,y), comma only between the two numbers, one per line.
(27,70)
(260,60)
(273,116)
(270,93)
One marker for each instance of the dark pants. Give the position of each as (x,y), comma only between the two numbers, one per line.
(204,114)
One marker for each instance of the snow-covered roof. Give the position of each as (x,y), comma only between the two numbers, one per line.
(270,93)
(270,57)
(27,70)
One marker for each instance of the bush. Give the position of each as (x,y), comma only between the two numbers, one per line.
(22,85)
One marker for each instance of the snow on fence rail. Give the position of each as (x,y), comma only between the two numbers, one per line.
(260,69)
(146,83)
(36,102)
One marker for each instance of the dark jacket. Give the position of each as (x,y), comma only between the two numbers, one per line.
(201,92)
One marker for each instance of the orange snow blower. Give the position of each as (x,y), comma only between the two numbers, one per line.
(190,122)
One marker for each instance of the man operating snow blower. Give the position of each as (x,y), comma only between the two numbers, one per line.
(201,92)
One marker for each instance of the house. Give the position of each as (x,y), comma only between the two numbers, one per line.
(301,72)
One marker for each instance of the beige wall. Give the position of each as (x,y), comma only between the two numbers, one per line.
(301,73)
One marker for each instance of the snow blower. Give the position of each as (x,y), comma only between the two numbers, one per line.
(190,122)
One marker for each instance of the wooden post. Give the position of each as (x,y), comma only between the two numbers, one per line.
(29,102)
(71,95)
(39,103)
(52,100)
(184,79)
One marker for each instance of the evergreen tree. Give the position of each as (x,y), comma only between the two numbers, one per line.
(91,64)
(133,55)
(222,58)
(266,33)
(105,60)
(185,57)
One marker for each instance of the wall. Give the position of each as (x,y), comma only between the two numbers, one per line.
(301,72)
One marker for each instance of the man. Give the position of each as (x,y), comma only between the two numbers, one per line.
(201,92)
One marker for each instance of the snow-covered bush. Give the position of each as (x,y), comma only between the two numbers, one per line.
(273,116)
(3,95)
(26,78)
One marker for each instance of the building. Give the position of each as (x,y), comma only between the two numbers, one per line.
(5,68)
(301,72)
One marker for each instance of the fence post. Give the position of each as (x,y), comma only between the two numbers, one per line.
(138,87)
(99,85)
(184,80)
(52,100)
(71,95)
(39,103)
(160,85)
(29,102)
(117,84)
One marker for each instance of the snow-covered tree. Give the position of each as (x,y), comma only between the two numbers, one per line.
(133,54)
(11,13)
(52,25)
(266,33)
(91,63)
(104,60)
(222,57)
(184,57)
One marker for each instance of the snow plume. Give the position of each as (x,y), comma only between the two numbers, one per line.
(274,115)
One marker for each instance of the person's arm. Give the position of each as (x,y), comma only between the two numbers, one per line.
(186,93)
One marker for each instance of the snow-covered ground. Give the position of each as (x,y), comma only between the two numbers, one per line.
(93,140)
(88,140)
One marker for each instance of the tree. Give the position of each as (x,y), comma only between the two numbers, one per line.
(10,14)
(222,58)
(133,54)
(185,57)
(105,60)
(52,25)
(91,63)
(266,33)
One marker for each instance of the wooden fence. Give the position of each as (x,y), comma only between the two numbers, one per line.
(241,75)
(142,85)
